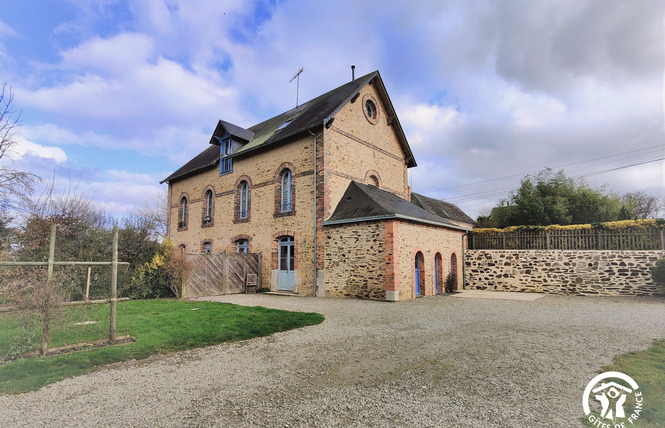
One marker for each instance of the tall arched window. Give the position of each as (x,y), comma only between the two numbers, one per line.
(244,200)
(453,271)
(420,274)
(438,273)
(208,206)
(182,213)
(286,204)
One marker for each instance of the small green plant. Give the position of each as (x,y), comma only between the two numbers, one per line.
(22,342)
(658,271)
(263,290)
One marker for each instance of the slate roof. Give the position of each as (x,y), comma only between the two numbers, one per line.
(362,202)
(441,208)
(235,131)
(292,123)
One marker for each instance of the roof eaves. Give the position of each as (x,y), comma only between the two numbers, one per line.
(369,78)
(394,217)
(397,126)
(175,176)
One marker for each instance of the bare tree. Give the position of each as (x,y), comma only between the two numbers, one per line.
(154,211)
(14,185)
(642,204)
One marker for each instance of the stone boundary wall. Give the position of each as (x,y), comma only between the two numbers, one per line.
(604,273)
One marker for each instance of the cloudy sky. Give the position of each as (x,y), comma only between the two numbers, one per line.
(116,95)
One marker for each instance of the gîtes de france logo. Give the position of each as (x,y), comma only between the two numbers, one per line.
(615,412)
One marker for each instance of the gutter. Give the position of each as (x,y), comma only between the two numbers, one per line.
(466,234)
(315,217)
(393,217)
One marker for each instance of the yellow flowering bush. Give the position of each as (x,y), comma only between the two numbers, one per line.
(613,225)
(155,279)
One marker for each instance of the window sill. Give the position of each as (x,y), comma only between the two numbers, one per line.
(286,214)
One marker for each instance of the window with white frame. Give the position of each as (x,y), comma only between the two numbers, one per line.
(225,162)
(244,200)
(243,246)
(182,213)
(286,203)
(209,201)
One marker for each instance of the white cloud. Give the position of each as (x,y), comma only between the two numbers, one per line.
(483,89)
(28,148)
(113,56)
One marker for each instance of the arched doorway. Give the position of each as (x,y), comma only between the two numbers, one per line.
(286,263)
(438,274)
(453,269)
(420,274)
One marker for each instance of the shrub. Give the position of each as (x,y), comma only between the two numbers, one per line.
(658,271)
(160,277)
(451,282)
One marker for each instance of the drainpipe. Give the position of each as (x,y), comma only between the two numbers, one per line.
(463,261)
(315,217)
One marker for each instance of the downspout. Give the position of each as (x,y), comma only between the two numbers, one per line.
(315,217)
(463,261)
(168,211)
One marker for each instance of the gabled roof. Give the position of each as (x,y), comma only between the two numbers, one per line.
(240,134)
(362,202)
(441,208)
(308,116)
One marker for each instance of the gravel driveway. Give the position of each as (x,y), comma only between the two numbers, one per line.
(436,361)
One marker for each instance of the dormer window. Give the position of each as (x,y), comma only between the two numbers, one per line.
(227,147)
(225,163)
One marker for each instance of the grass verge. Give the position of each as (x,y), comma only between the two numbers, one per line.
(647,368)
(159,326)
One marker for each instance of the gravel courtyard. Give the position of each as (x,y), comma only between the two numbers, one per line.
(437,361)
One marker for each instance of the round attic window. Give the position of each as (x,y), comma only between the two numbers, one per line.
(370,109)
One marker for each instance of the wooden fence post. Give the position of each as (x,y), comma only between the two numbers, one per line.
(87,284)
(662,239)
(547,239)
(503,238)
(260,273)
(114,286)
(46,327)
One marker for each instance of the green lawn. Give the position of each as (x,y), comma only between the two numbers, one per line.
(158,325)
(647,368)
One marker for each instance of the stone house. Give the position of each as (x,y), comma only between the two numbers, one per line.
(322,192)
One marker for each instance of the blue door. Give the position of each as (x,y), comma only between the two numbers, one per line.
(420,277)
(436,275)
(286,263)
(417,277)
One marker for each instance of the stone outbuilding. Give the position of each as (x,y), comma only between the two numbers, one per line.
(322,192)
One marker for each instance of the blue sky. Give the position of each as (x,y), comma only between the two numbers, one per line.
(116,95)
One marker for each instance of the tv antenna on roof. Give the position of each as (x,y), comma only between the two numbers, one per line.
(297,77)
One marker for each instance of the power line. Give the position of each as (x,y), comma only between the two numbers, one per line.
(506,189)
(560,166)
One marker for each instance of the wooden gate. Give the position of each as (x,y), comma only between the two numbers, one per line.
(223,273)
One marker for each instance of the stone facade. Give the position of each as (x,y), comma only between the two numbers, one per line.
(383,255)
(429,240)
(365,260)
(604,273)
(363,246)
(262,227)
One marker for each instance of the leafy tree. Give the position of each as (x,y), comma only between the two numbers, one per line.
(553,198)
